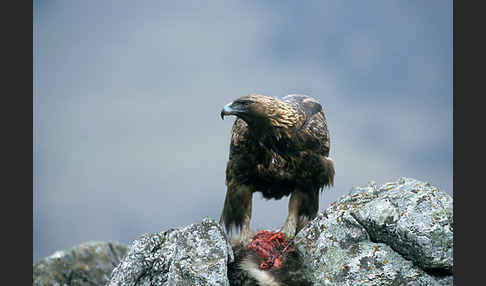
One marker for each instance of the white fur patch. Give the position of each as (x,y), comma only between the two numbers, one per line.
(263,277)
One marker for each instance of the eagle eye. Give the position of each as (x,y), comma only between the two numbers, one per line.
(243,102)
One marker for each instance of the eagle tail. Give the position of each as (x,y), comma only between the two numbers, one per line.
(327,173)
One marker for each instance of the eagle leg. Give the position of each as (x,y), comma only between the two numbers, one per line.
(245,232)
(303,207)
(237,210)
(290,226)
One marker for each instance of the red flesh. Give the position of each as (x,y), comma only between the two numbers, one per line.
(271,246)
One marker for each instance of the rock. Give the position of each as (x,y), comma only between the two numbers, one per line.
(400,233)
(87,264)
(197,254)
(382,236)
(415,219)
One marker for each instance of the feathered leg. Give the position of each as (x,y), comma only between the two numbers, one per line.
(309,208)
(237,210)
(290,226)
(303,207)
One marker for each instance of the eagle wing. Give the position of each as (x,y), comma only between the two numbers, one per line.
(241,176)
(312,134)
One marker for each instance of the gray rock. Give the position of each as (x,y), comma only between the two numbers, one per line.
(415,219)
(367,237)
(197,254)
(400,233)
(87,264)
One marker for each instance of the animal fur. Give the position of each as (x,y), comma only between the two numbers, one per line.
(245,271)
(278,148)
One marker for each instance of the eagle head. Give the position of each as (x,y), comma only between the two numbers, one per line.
(260,110)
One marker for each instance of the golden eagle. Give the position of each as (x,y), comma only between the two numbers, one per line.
(279,147)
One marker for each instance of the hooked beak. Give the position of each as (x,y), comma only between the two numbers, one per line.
(228,110)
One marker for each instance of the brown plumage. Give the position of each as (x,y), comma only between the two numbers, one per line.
(278,148)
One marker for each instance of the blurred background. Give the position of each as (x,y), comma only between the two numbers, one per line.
(127,94)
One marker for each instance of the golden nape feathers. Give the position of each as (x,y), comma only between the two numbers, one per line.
(279,113)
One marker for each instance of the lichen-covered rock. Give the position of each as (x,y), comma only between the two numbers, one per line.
(87,264)
(415,219)
(346,244)
(197,254)
(400,233)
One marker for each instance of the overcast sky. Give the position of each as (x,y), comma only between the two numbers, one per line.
(127,94)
